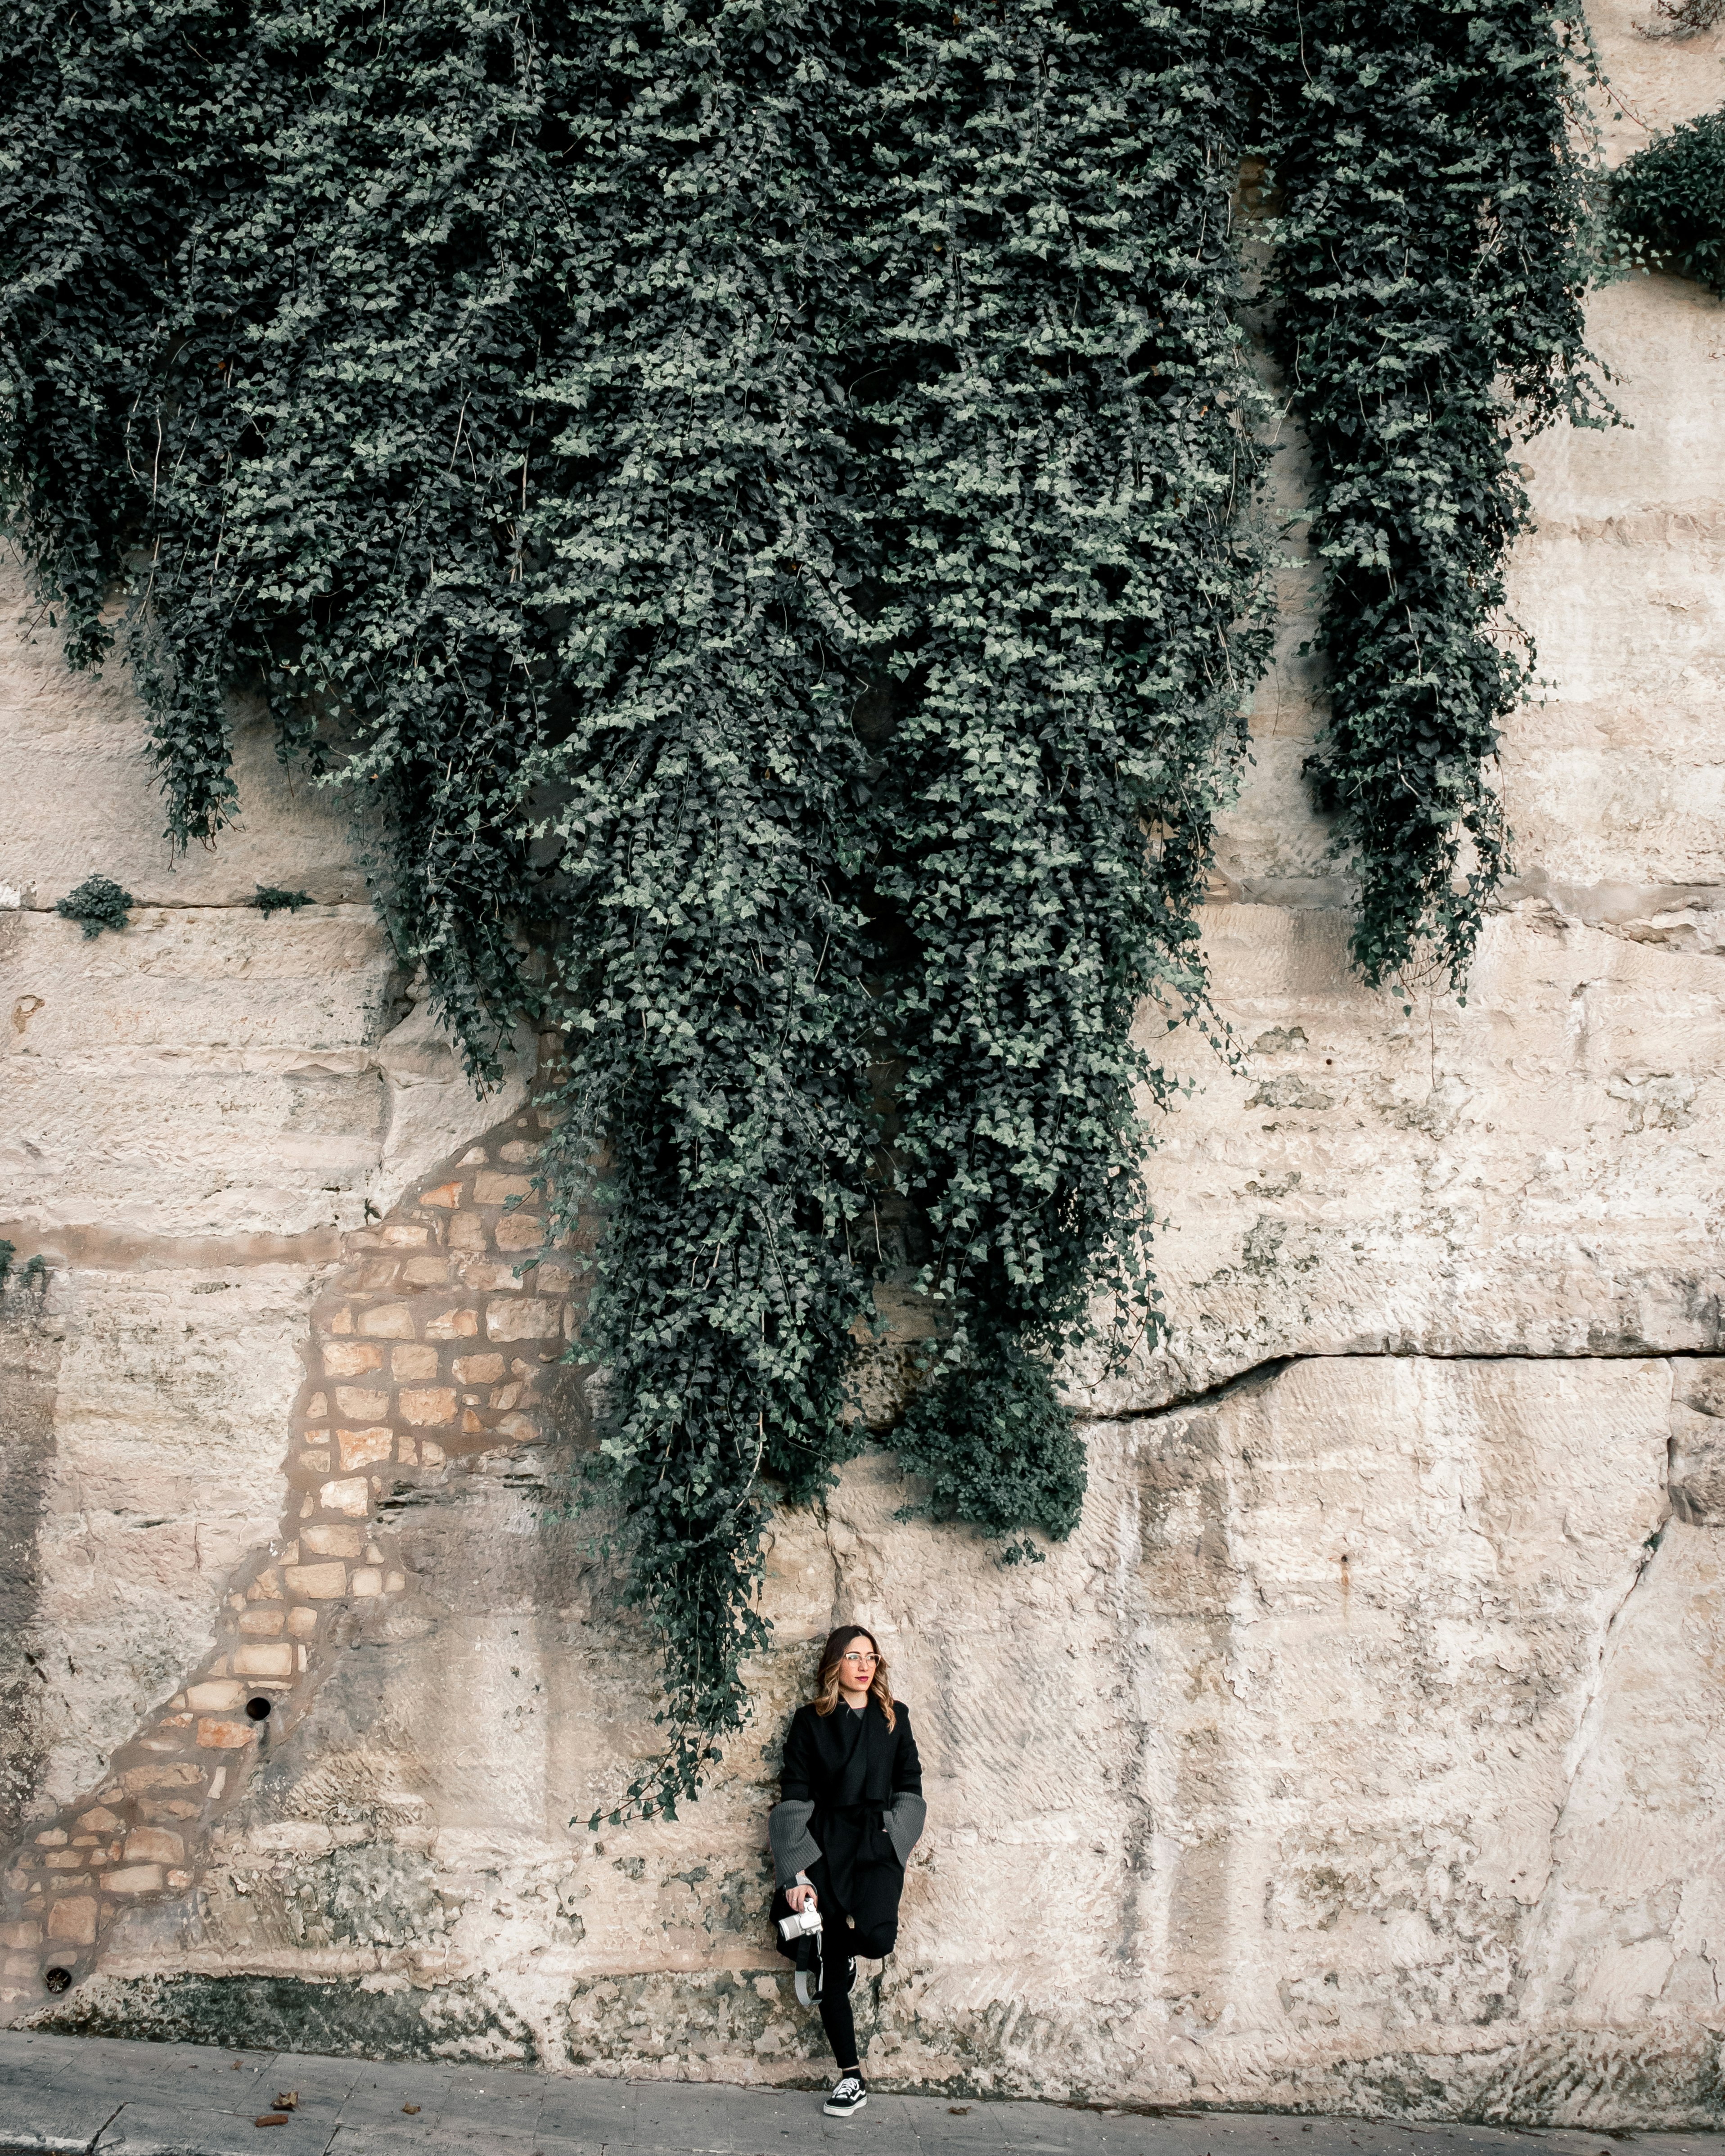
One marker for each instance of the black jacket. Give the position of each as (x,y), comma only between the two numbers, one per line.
(852,1798)
(826,1765)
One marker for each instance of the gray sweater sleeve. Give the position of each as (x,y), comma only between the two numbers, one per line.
(904,1822)
(794,1848)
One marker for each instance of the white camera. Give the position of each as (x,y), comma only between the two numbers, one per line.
(799,1923)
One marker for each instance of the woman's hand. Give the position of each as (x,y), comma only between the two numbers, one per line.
(800,1898)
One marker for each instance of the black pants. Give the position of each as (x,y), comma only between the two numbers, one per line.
(837,1978)
(871,1929)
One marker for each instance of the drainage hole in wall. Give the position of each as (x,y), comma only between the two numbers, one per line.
(258,1709)
(58,1980)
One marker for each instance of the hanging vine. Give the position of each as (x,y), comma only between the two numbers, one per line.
(1075,615)
(94,117)
(305,421)
(701,546)
(749,501)
(1430,254)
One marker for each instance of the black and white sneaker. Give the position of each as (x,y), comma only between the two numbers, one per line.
(849,2095)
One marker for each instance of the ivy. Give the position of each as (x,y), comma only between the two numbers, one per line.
(1429,257)
(319,375)
(1077,621)
(700,550)
(94,118)
(97,903)
(271,898)
(571,427)
(751,502)
(1668,203)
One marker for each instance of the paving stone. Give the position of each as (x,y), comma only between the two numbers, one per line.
(158,2128)
(604,2110)
(412,2136)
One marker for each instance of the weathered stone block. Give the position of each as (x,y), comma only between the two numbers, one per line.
(492,1189)
(323,1539)
(447,1195)
(135,1879)
(530,1317)
(183,1774)
(357,1448)
(349,1358)
(260,1659)
(478,1369)
(520,1231)
(453,1325)
(413,1365)
(214,1695)
(360,1403)
(317,1583)
(72,1919)
(427,1406)
(352,1495)
(154,1845)
(223,1736)
(387,1321)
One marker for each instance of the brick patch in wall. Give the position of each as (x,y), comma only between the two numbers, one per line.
(432,1344)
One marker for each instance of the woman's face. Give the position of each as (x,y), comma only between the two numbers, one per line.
(857,1665)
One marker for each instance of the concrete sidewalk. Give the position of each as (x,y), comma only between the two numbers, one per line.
(71,2095)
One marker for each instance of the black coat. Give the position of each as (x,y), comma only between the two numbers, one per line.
(826,1765)
(854,1771)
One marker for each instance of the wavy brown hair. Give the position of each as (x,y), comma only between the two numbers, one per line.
(826,1683)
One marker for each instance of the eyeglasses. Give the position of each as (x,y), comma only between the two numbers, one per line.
(862,1662)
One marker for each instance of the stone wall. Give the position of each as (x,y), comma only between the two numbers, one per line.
(1358,1751)
(437,1341)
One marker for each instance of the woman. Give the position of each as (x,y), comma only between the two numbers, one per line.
(850,1812)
